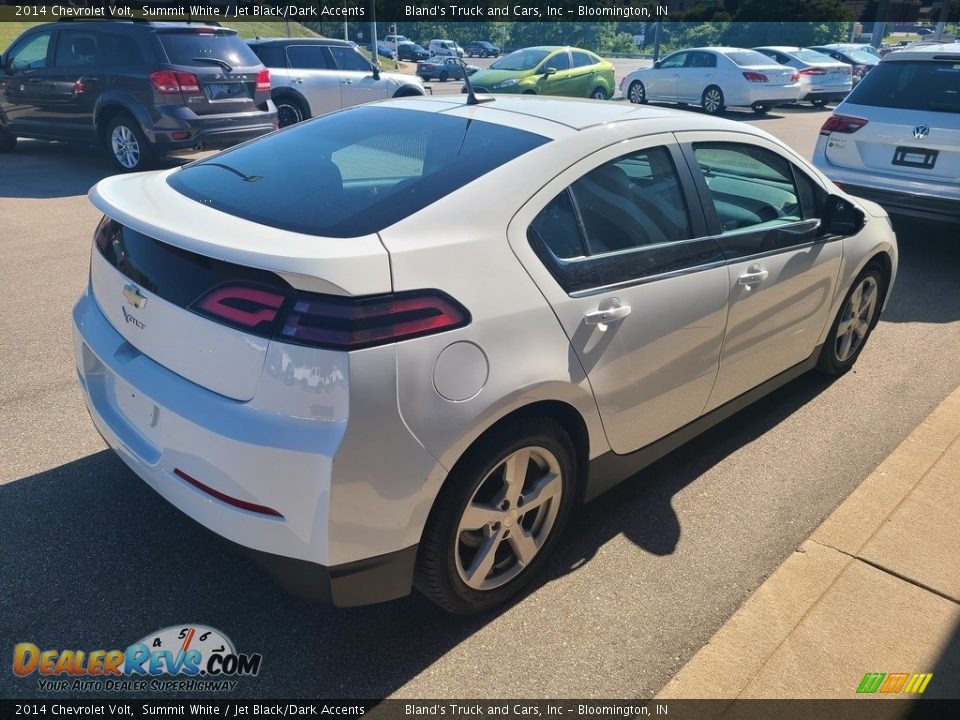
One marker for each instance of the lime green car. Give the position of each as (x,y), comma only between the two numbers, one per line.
(548,70)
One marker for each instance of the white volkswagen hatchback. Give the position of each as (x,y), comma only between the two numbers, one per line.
(393,346)
(715,78)
(896,138)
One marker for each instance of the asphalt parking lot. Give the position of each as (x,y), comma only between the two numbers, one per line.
(91,558)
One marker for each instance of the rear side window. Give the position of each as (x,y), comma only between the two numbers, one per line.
(78,49)
(122,50)
(309,57)
(353,172)
(581,59)
(911,85)
(270,55)
(204,48)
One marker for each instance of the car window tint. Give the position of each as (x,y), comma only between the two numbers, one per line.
(349,59)
(751,186)
(31,55)
(674,61)
(560,61)
(77,49)
(351,173)
(558,228)
(932,86)
(184,47)
(812,196)
(308,57)
(270,55)
(633,201)
(122,50)
(700,60)
(748,58)
(581,59)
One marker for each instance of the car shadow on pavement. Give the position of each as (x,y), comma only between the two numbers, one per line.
(39,169)
(92,558)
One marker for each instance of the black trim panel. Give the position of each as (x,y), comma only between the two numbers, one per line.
(610,469)
(902,203)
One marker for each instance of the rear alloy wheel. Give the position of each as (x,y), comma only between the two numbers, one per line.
(598,94)
(498,517)
(444,76)
(128,146)
(712,100)
(852,327)
(289,111)
(637,93)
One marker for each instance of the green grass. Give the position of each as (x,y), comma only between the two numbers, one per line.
(10,31)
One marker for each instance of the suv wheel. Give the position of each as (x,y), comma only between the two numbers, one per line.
(498,517)
(7,141)
(128,146)
(290,111)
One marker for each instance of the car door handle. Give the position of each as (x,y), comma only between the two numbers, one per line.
(297,81)
(347,82)
(753,276)
(604,317)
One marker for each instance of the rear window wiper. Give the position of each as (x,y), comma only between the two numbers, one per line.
(222,63)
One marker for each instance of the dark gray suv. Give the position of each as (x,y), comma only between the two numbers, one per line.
(142,89)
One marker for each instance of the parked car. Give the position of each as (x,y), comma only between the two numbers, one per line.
(320,346)
(383,50)
(396,39)
(411,51)
(140,89)
(715,78)
(316,76)
(444,47)
(443,68)
(822,79)
(548,70)
(896,137)
(860,60)
(481,48)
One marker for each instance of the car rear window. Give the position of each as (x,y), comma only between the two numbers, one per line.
(353,172)
(191,47)
(911,85)
(749,58)
(811,56)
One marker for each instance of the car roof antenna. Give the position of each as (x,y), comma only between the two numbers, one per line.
(472,98)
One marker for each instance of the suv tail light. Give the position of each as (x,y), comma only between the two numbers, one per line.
(263,80)
(331,321)
(813,71)
(842,124)
(171,82)
(756,77)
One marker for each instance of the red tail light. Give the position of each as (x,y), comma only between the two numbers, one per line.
(860,69)
(795,77)
(170,82)
(330,321)
(78,87)
(813,71)
(756,77)
(105,230)
(263,80)
(842,124)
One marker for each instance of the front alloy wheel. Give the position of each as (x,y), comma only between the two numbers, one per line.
(856,318)
(637,93)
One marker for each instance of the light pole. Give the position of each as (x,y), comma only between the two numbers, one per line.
(373,33)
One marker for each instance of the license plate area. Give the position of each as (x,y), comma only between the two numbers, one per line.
(139,411)
(915,158)
(226,91)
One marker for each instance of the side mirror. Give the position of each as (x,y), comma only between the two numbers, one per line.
(842,217)
(656,65)
(550,71)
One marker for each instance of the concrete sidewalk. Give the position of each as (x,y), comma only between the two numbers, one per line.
(876,588)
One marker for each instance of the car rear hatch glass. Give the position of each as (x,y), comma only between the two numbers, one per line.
(912,110)
(351,173)
(225,67)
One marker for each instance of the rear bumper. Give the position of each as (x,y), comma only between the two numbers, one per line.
(208,131)
(757,94)
(827,95)
(340,535)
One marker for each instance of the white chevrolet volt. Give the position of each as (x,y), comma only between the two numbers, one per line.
(393,346)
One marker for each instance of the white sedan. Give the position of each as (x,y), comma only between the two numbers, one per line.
(715,78)
(823,79)
(394,346)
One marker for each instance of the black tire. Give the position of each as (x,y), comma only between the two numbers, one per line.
(440,573)
(127,145)
(598,93)
(712,100)
(483,53)
(833,359)
(8,142)
(637,93)
(761,109)
(818,102)
(529,92)
(290,110)
(444,76)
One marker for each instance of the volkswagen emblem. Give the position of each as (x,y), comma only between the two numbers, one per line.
(921,131)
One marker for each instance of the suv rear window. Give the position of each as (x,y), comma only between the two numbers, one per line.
(353,172)
(930,85)
(190,47)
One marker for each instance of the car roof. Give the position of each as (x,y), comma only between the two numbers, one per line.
(939,51)
(299,41)
(780,48)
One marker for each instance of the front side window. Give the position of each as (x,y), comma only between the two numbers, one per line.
(751,186)
(77,49)
(520,60)
(674,61)
(353,172)
(560,61)
(349,59)
(31,55)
